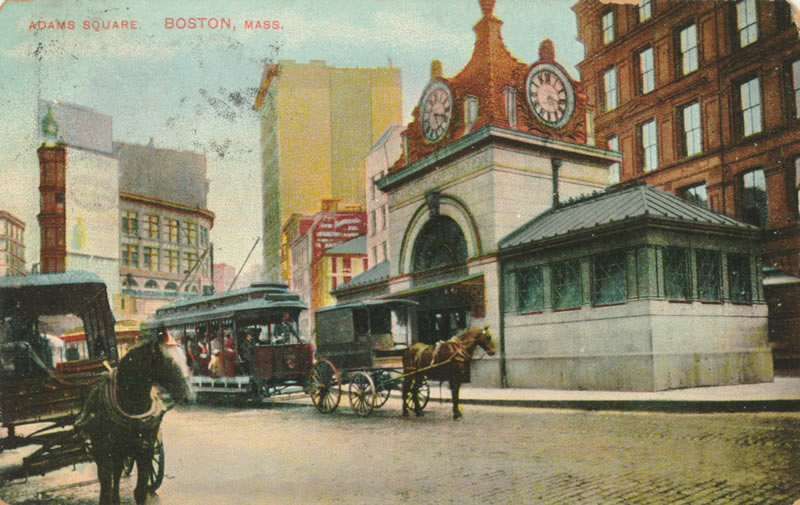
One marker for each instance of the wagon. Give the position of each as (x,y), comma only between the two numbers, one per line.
(359,348)
(43,391)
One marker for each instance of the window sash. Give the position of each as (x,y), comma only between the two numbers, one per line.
(614,169)
(610,279)
(610,88)
(754,197)
(647,70)
(677,273)
(696,194)
(645,10)
(746,22)
(750,99)
(689,55)
(650,145)
(709,275)
(692,130)
(530,290)
(608,27)
(739,278)
(567,288)
(796,86)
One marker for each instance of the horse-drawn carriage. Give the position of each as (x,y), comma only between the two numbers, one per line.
(371,347)
(42,399)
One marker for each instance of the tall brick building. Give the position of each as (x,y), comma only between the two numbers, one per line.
(703,100)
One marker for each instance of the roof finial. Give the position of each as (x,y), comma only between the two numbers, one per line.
(487,6)
(436,69)
(547,51)
(50,126)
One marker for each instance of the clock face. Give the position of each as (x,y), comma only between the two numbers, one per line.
(550,94)
(437,109)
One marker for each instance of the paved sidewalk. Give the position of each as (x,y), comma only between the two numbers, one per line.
(781,395)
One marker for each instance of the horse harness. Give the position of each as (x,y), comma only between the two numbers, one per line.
(107,395)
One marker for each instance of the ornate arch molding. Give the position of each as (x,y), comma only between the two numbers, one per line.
(439,204)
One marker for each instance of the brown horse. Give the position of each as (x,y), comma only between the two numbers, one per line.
(446,361)
(123,414)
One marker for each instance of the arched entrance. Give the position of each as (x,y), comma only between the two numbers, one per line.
(442,312)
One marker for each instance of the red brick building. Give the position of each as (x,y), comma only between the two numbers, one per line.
(703,100)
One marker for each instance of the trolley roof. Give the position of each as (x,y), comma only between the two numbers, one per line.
(255,299)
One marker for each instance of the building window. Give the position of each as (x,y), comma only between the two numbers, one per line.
(373,183)
(191,233)
(749,107)
(470,110)
(130,222)
(689,57)
(746,22)
(695,194)
(614,169)
(691,129)
(171,286)
(608,27)
(609,279)
(373,224)
(677,273)
(797,183)
(530,290)
(567,287)
(610,88)
(383,217)
(151,284)
(709,275)
(190,260)
(440,243)
(647,73)
(347,265)
(796,87)
(171,260)
(754,197)
(172,231)
(645,10)
(130,255)
(150,258)
(739,278)
(385,251)
(203,235)
(151,226)
(648,145)
(334,282)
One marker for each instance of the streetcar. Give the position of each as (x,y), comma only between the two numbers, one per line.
(242,343)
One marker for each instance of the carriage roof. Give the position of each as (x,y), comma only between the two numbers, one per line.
(77,292)
(253,300)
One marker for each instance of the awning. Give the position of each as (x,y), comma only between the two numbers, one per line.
(469,287)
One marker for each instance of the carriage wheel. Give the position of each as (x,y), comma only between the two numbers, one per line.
(420,390)
(323,386)
(383,388)
(156,476)
(362,394)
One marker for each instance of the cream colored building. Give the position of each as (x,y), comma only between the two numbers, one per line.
(317,125)
(12,245)
(386,151)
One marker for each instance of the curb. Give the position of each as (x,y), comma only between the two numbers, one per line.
(665,406)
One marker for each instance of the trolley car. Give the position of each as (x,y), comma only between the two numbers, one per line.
(242,343)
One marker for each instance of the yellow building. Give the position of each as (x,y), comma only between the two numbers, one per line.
(317,125)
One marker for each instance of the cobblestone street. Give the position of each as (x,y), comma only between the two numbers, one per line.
(495,455)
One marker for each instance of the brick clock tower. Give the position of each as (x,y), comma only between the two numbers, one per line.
(52,192)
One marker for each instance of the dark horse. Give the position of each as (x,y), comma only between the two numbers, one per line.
(446,361)
(123,414)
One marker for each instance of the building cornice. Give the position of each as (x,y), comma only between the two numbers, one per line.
(175,206)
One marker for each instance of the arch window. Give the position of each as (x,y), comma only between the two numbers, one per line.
(440,243)
(151,284)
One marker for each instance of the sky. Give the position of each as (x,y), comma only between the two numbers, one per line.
(194,89)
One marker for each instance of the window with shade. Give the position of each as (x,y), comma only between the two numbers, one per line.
(754,197)
(691,129)
(610,89)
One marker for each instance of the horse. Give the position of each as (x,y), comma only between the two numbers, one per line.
(123,413)
(448,361)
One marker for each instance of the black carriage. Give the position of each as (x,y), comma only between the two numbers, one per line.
(242,343)
(44,385)
(360,347)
